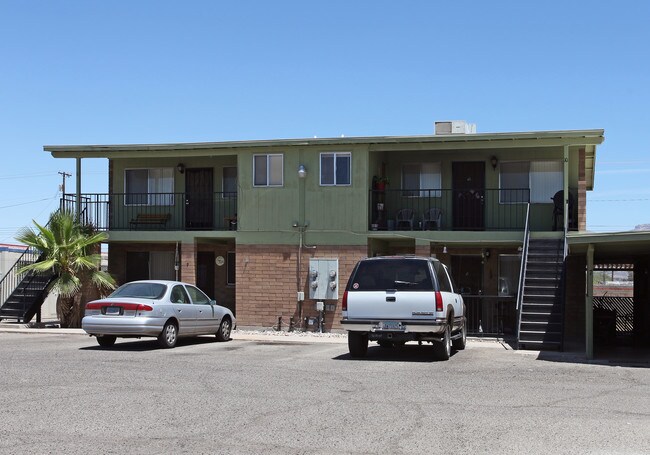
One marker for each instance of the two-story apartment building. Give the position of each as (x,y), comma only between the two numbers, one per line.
(271,227)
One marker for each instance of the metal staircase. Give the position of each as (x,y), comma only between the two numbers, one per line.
(22,294)
(542,304)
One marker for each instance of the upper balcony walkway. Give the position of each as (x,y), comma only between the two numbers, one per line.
(482,209)
(406,210)
(156,211)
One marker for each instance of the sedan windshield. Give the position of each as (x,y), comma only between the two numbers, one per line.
(153,291)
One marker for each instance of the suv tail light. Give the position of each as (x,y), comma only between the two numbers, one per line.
(439,301)
(344,303)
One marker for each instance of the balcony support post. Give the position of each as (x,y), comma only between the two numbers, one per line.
(78,191)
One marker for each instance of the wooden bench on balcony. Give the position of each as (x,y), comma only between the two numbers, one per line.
(150,219)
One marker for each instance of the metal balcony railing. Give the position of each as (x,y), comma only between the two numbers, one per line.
(491,315)
(468,209)
(156,211)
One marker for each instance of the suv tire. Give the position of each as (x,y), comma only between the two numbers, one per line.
(460,343)
(442,348)
(358,344)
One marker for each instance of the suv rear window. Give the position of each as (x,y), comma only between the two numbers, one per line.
(402,274)
(443,279)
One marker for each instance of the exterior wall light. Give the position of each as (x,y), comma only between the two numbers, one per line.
(181,168)
(302,172)
(494,161)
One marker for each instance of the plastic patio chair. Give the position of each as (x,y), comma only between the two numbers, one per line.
(432,217)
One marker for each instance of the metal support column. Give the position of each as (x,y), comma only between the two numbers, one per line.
(589,304)
(78,195)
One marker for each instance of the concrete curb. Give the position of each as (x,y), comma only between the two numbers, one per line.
(336,338)
(272,337)
(244,335)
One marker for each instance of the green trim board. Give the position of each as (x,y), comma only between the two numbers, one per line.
(567,137)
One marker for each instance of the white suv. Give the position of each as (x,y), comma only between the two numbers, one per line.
(395,299)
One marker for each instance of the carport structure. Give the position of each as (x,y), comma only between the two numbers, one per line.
(586,252)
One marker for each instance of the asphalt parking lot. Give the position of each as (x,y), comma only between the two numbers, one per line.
(61,393)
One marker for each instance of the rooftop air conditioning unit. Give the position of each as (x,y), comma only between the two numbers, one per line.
(454,127)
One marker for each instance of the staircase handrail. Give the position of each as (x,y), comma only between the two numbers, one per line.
(564,272)
(566,230)
(522,269)
(524,258)
(12,273)
(13,277)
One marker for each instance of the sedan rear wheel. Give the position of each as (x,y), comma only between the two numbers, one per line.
(168,336)
(106,340)
(223,334)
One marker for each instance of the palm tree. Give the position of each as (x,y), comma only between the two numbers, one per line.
(71,250)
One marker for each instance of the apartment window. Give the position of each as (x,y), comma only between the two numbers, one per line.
(421,179)
(231,268)
(509,265)
(153,186)
(534,181)
(546,178)
(267,170)
(229,182)
(335,169)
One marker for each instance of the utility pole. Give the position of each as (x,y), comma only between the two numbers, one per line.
(64,174)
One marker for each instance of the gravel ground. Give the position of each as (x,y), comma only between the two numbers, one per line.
(295,333)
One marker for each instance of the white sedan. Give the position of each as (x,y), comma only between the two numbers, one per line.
(155,308)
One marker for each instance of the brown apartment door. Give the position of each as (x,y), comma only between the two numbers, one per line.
(199,198)
(205,272)
(137,266)
(467,272)
(468,183)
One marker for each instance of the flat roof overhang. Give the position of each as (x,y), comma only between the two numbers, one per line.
(611,247)
(587,139)
(478,140)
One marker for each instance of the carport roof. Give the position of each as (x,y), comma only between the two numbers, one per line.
(611,246)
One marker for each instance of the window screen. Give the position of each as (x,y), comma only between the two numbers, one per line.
(546,178)
(335,169)
(535,181)
(514,182)
(422,179)
(267,170)
(229,179)
(149,186)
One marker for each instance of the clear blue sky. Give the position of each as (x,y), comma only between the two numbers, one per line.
(111,72)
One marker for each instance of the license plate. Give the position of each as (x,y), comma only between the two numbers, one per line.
(390,325)
(113,310)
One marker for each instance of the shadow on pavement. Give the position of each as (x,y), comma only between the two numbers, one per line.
(151,344)
(615,356)
(406,353)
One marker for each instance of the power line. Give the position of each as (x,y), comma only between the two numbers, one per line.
(26,203)
(619,200)
(24,176)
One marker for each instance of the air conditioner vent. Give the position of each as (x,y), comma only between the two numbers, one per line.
(454,127)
